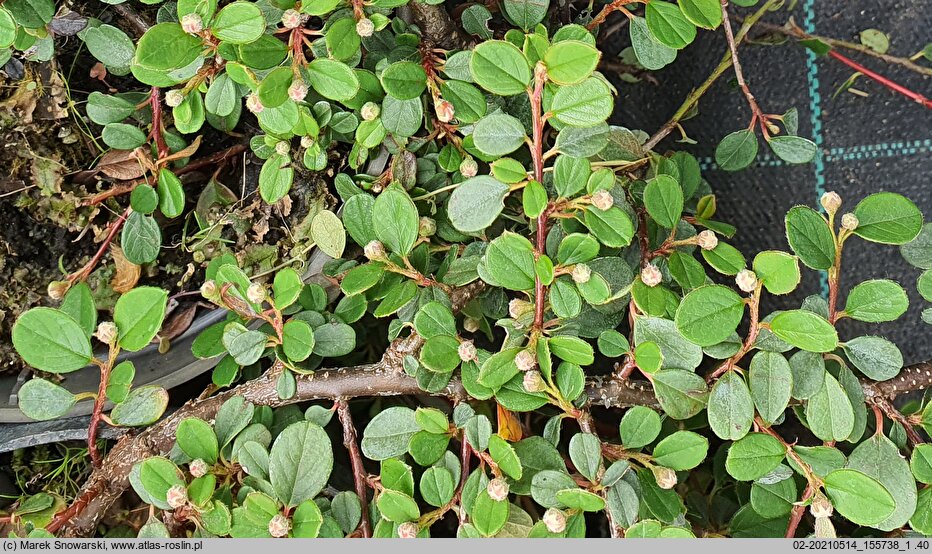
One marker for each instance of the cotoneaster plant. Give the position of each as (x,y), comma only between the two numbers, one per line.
(577,347)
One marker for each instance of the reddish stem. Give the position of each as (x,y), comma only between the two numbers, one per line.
(99,409)
(155,102)
(359,471)
(914,96)
(83,273)
(76,508)
(797,515)
(537,148)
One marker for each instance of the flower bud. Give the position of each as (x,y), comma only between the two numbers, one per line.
(107,332)
(665,477)
(821,507)
(533,382)
(176,496)
(467,351)
(651,276)
(830,201)
(256,293)
(282,148)
(707,240)
(525,360)
(581,273)
(374,250)
(174,98)
(365,27)
(57,289)
(191,23)
(253,104)
(746,280)
(469,167)
(555,520)
(602,200)
(426,226)
(292,19)
(370,111)
(307,141)
(408,530)
(210,290)
(849,222)
(471,325)
(518,308)
(497,489)
(279,526)
(198,468)
(445,111)
(824,528)
(297,91)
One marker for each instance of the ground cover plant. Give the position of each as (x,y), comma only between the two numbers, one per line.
(530,323)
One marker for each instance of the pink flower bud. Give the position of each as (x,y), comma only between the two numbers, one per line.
(821,507)
(849,222)
(176,496)
(555,520)
(292,19)
(174,98)
(365,27)
(408,530)
(209,290)
(444,111)
(426,226)
(602,200)
(497,489)
(253,104)
(581,273)
(746,280)
(370,111)
(107,332)
(469,168)
(651,276)
(525,360)
(374,250)
(471,325)
(518,308)
(282,148)
(467,351)
(279,526)
(533,382)
(191,23)
(256,293)
(57,289)
(830,201)
(198,468)
(665,477)
(307,141)
(297,91)
(707,240)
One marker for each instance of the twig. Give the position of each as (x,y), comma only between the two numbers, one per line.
(797,514)
(896,87)
(757,113)
(115,226)
(131,16)
(359,471)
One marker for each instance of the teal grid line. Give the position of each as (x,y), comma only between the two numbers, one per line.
(899,149)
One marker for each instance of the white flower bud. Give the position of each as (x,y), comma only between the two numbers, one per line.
(426,226)
(830,201)
(253,104)
(292,19)
(525,360)
(57,289)
(445,111)
(107,332)
(191,23)
(581,273)
(664,476)
(374,250)
(174,98)
(707,240)
(282,148)
(821,507)
(555,520)
(746,280)
(849,222)
(533,382)
(370,111)
(297,91)
(497,489)
(198,468)
(365,27)
(467,351)
(256,293)
(176,496)
(209,290)
(824,528)
(471,325)
(517,308)
(602,200)
(307,141)
(408,530)
(469,168)
(651,276)
(279,526)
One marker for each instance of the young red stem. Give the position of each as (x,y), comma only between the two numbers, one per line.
(537,149)
(753,331)
(155,102)
(99,407)
(914,96)
(797,514)
(359,471)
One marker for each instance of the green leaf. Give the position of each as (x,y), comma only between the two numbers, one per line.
(395,221)
(388,434)
(327,232)
(829,412)
(584,104)
(793,149)
(570,378)
(613,227)
(286,287)
(887,218)
(499,368)
(489,516)
(702,13)
(526,13)
(121,380)
(663,199)
(141,238)
(300,462)
(921,463)
(342,39)
(778,271)
(917,252)
(876,301)
(307,520)
(439,353)
(572,349)
(754,456)
(123,136)
(50,340)
(42,400)
(404,80)
(238,23)
(534,199)
(570,61)
(297,340)
(196,438)
(111,46)
(144,199)
(156,476)
(649,357)
(434,319)
(498,134)
(681,451)
(678,352)
(504,455)
(468,103)
(166,47)
(650,52)
(334,339)
(500,68)
(682,394)
(810,237)
(579,499)
(806,330)
(333,80)
(32,14)
(876,357)
(570,175)
(859,498)
(737,150)
(171,194)
(771,383)
(585,451)
(244,345)
(709,314)
(437,486)
(509,261)
(639,427)
(725,258)
(397,507)
(477,202)
(878,458)
(273,90)
(731,408)
(669,25)
(143,406)
(275,178)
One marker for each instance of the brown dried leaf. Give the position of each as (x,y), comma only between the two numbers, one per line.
(178,321)
(123,165)
(183,153)
(98,72)
(127,273)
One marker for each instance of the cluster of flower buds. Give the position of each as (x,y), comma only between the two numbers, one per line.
(707,240)
(469,167)
(849,222)
(292,19)
(176,496)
